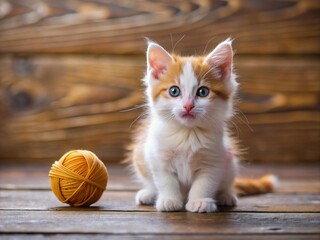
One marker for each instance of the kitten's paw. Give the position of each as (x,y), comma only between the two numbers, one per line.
(227,199)
(146,197)
(201,205)
(169,204)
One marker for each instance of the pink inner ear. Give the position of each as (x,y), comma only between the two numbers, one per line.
(156,73)
(159,60)
(220,59)
(220,69)
(157,69)
(224,69)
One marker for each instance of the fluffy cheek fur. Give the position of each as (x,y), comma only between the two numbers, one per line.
(218,111)
(162,108)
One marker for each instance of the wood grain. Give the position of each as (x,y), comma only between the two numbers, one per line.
(69,69)
(37,214)
(259,27)
(67,103)
(35,177)
(294,179)
(123,201)
(101,236)
(157,223)
(51,104)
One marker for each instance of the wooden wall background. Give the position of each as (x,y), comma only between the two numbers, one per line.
(69,67)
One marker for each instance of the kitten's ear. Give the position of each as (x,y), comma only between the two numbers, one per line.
(158,59)
(221,59)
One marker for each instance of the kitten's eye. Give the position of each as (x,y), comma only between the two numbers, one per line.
(174,91)
(203,92)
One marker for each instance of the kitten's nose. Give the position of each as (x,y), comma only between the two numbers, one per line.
(188,107)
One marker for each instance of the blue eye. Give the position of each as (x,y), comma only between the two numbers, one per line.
(203,92)
(174,91)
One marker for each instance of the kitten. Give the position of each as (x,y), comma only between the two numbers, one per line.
(182,151)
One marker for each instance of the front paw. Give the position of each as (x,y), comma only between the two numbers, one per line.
(201,205)
(227,199)
(169,204)
(146,197)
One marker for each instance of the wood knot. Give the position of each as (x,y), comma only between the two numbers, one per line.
(25,95)
(21,99)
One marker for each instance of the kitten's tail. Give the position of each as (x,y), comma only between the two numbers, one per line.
(249,186)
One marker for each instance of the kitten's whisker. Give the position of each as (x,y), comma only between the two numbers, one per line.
(205,49)
(206,73)
(239,119)
(134,108)
(202,75)
(171,42)
(210,120)
(236,127)
(174,47)
(137,118)
(238,110)
(168,117)
(245,121)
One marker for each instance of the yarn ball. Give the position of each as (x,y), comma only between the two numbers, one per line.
(79,178)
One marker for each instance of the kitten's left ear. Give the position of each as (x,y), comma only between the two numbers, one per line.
(221,59)
(158,59)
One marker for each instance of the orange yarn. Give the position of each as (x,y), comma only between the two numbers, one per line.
(79,178)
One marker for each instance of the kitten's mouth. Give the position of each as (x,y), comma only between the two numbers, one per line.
(188,116)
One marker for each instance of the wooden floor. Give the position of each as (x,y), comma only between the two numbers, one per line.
(29,210)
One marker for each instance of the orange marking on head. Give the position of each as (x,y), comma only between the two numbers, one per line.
(168,79)
(203,72)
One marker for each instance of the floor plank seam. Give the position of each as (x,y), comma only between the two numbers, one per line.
(156,212)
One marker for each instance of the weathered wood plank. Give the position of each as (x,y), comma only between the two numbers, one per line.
(49,105)
(293,178)
(38,214)
(299,172)
(124,201)
(157,223)
(35,177)
(118,27)
(158,237)
(57,106)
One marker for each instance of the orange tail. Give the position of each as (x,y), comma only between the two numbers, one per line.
(249,186)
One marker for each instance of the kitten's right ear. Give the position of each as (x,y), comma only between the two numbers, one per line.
(158,59)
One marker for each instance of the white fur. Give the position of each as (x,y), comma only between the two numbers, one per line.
(188,80)
(188,158)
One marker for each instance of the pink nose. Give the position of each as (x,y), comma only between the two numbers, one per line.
(188,107)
